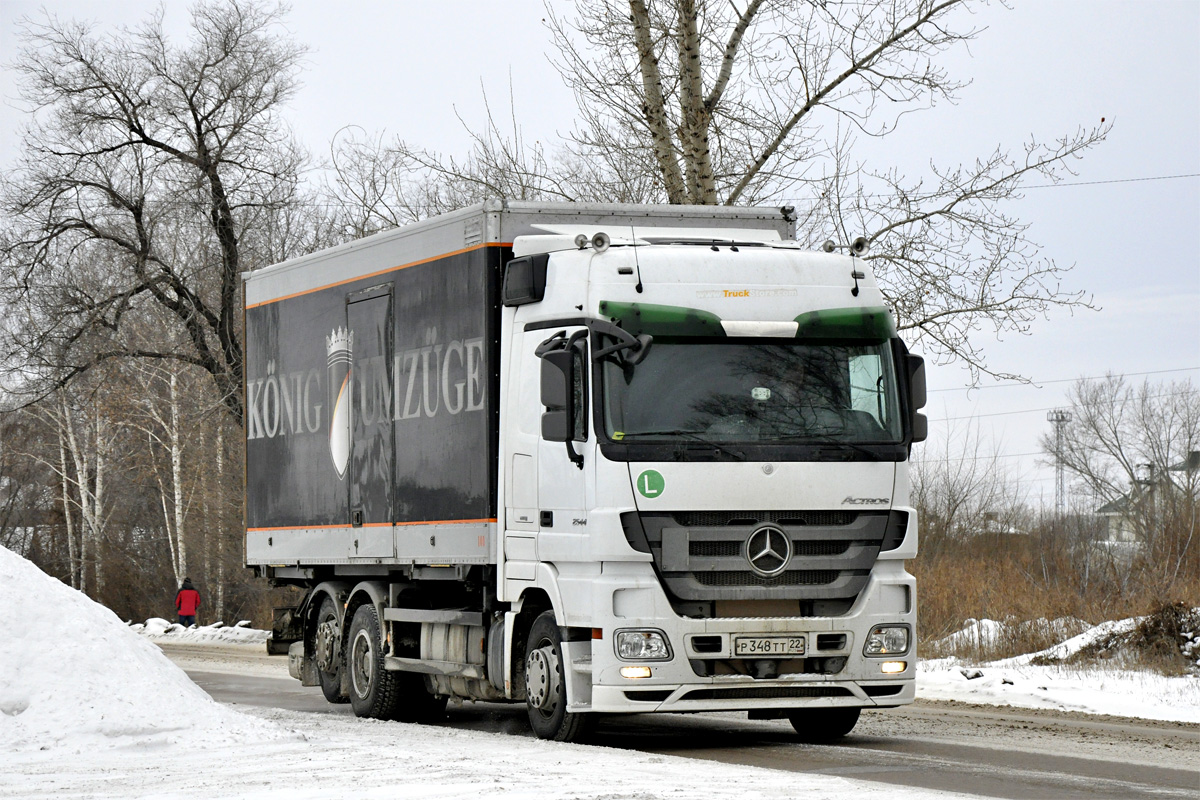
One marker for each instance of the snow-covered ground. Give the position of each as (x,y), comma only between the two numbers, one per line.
(90,707)
(1094,690)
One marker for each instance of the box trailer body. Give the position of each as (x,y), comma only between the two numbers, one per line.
(592,458)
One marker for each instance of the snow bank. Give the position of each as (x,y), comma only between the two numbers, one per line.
(1093,689)
(73,675)
(218,633)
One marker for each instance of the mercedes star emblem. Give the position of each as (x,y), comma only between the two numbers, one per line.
(768,550)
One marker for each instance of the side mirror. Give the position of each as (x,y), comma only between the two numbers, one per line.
(525,280)
(920,427)
(558,396)
(916,381)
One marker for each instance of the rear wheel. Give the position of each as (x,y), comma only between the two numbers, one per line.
(373,690)
(379,693)
(545,685)
(329,652)
(824,725)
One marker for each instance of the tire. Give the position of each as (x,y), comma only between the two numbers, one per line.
(331,680)
(824,725)
(545,685)
(374,691)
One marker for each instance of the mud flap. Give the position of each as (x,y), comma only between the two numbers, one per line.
(302,668)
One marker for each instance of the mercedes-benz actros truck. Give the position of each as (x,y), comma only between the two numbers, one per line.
(590,458)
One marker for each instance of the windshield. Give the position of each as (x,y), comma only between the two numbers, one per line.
(777,390)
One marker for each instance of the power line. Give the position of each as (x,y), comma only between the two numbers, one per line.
(1114,180)
(1064,380)
(1046,408)
(961,459)
(1062,184)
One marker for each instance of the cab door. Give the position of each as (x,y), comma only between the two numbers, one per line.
(564,466)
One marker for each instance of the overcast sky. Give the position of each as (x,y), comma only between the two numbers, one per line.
(1043,68)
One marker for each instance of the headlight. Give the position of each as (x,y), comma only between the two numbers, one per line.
(642,645)
(886,640)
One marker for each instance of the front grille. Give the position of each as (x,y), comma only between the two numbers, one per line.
(701,556)
(715,549)
(728,549)
(768,693)
(800,577)
(711,519)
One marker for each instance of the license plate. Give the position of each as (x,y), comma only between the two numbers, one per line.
(769,646)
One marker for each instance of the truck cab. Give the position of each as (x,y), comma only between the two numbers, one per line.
(705,442)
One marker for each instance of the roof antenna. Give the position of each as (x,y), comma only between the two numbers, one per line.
(636,263)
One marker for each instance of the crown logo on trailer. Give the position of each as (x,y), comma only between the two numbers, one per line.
(339,346)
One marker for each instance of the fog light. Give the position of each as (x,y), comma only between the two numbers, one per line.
(892,667)
(886,640)
(635,672)
(642,645)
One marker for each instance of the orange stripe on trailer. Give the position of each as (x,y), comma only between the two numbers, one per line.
(378,273)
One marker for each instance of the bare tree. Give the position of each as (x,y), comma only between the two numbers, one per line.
(962,489)
(760,101)
(141,168)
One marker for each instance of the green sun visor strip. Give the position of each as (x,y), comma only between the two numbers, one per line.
(656,320)
(846,323)
(830,323)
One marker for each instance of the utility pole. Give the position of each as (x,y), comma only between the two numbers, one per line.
(1059,417)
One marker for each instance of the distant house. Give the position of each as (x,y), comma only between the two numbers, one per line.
(1147,500)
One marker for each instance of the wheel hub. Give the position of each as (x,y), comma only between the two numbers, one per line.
(327,636)
(362,664)
(542,684)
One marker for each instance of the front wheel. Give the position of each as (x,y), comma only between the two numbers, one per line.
(824,725)
(546,687)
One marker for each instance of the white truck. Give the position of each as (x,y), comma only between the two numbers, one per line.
(590,458)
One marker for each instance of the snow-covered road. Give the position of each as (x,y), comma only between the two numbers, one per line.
(976,750)
(91,709)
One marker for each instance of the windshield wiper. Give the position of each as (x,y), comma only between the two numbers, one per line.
(695,436)
(826,441)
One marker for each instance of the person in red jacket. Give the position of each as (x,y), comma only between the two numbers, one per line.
(186,603)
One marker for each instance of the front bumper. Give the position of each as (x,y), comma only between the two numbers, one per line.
(629,596)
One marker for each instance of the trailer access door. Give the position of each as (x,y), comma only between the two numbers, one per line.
(372,466)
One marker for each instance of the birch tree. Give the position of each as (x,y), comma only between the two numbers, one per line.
(162,419)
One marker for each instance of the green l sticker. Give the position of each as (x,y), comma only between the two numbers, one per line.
(650,483)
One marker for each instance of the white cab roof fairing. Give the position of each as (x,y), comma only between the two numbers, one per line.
(751,284)
(647,235)
(562,237)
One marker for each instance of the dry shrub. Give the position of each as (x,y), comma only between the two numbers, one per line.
(1045,587)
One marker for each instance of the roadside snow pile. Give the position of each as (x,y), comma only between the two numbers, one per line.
(1097,672)
(217,633)
(73,675)
(981,638)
